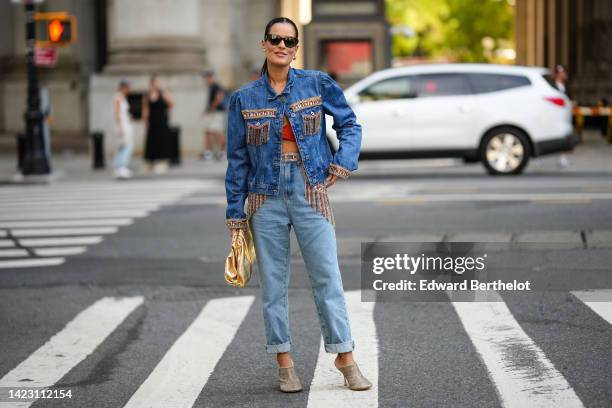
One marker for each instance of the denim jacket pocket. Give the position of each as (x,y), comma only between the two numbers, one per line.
(258,132)
(312,122)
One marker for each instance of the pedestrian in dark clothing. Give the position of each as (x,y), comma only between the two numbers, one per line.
(156,105)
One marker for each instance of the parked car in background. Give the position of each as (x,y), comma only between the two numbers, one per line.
(497,114)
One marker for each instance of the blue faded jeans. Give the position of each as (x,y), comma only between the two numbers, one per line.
(271,225)
(123,154)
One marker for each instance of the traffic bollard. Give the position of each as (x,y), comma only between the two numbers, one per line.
(175,145)
(97,144)
(20,150)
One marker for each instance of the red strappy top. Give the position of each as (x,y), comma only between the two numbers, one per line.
(288,132)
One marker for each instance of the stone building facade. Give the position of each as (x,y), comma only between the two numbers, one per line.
(575,33)
(132,39)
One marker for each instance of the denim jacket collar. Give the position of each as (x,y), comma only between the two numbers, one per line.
(271,92)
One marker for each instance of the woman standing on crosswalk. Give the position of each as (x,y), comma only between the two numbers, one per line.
(280,164)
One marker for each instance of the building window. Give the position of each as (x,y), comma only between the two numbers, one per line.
(347,60)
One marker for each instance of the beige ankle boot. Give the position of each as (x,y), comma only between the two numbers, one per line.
(353,378)
(289,380)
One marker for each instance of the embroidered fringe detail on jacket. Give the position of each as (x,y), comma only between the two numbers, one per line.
(254,202)
(318,199)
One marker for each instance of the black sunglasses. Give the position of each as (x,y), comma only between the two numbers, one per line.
(274,39)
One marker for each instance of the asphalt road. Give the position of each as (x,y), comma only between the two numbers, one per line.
(115,291)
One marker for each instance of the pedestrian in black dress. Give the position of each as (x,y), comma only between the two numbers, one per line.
(156,105)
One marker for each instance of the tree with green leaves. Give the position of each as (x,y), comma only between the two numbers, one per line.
(462,30)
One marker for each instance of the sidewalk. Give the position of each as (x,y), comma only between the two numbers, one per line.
(594,155)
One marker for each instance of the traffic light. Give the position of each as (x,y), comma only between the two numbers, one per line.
(58,29)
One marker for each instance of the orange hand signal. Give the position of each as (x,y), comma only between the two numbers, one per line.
(56,29)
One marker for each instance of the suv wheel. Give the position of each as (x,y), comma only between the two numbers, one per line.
(505,151)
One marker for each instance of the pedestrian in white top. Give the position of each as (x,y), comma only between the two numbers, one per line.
(123,131)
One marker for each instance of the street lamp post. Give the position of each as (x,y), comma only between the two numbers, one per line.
(35,160)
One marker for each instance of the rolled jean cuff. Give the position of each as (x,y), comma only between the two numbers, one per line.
(278,348)
(340,347)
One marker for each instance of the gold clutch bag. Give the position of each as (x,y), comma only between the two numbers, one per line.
(239,262)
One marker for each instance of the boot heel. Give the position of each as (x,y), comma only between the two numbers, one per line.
(354,379)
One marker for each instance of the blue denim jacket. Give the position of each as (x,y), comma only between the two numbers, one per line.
(255,120)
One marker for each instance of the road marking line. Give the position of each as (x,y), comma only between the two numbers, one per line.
(43,215)
(6,243)
(116,197)
(75,208)
(595,300)
(562,201)
(184,370)
(38,232)
(34,232)
(44,206)
(75,250)
(67,223)
(102,193)
(519,369)
(32,262)
(7,253)
(75,342)
(396,201)
(85,240)
(327,387)
(174,186)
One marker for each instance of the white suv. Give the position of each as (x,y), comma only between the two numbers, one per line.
(498,114)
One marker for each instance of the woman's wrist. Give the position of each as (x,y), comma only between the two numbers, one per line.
(339,171)
(236,223)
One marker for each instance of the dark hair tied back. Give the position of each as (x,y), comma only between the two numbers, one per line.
(276,20)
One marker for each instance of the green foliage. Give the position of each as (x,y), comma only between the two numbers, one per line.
(451,28)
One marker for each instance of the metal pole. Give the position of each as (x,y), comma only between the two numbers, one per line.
(35,160)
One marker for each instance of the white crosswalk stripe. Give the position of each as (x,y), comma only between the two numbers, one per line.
(6,253)
(501,343)
(66,223)
(58,241)
(71,345)
(37,232)
(60,251)
(600,301)
(31,262)
(180,376)
(62,220)
(327,387)
(6,243)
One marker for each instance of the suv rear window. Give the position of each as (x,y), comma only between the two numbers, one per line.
(483,83)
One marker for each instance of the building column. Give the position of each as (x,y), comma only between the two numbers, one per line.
(161,36)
